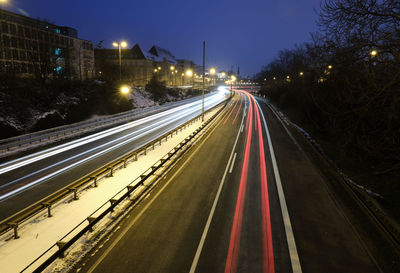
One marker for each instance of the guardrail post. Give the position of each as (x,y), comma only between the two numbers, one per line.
(111,172)
(14,226)
(75,191)
(95,181)
(60,245)
(112,202)
(48,206)
(129,188)
(90,220)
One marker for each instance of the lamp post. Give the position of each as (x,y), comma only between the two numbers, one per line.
(120,45)
(212,71)
(233,78)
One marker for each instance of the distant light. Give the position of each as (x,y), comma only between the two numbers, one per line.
(222,88)
(287,77)
(223,74)
(301,73)
(213,71)
(3,1)
(172,68)
(115,44)
(125,89)
(274,78)
(124,44)
(189,73)
(159,68)
(233,78)
(155,70)
(374,52)
(330,67)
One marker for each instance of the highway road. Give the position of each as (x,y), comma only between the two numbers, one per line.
(246,198)
(29,178)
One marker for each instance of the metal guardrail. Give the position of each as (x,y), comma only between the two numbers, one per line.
(14,221)
(358,192)
(66,131)
(166,161)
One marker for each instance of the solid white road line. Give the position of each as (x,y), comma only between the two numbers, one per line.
(20,162)
(210,216)
(233,163)
(294,257)
(133,222)
(88,158)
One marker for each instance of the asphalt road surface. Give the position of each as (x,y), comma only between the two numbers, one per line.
(28,179)
(246,198)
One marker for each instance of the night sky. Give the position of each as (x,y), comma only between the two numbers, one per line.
(248,33)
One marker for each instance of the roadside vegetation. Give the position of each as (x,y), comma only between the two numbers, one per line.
(344,88)
(33,104)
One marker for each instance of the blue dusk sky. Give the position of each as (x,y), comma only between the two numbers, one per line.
(243,33)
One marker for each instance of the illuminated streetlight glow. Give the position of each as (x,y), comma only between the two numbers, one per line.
(125,89)
(301,73)
(330,66)
(159,68)
(287,77)
(374,52)
(155,70)
(213,71)
(115,44)
(189,73)
(274,78)
(124,44)
(233,78)
(172,68)
(223,74)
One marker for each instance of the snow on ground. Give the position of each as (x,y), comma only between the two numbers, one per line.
(142,99)
(42,232)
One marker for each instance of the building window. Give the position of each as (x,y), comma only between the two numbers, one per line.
(15,54)
(6,41)
(27,33)
(13,29)
(14,42)
(21,43)
(4,27)
(20,31)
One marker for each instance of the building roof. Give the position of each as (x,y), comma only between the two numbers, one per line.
(159,54)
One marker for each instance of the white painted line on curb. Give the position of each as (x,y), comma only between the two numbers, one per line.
(294,257)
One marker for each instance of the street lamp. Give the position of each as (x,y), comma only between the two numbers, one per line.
(213,71)
(233,79)
(373,52)
(125,89)
(301,73)
(120,45)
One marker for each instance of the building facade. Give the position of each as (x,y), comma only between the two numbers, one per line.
(30,47)
(139,66)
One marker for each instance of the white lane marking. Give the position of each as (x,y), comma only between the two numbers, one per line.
(131,224)
(294,257)
(233,163)
(14,164)
(46,177)
(211,215)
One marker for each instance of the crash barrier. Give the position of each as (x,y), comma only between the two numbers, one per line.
(60,247)
(363,196)
(67,131)
(13,222)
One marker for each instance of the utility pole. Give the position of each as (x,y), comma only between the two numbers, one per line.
(204,67)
